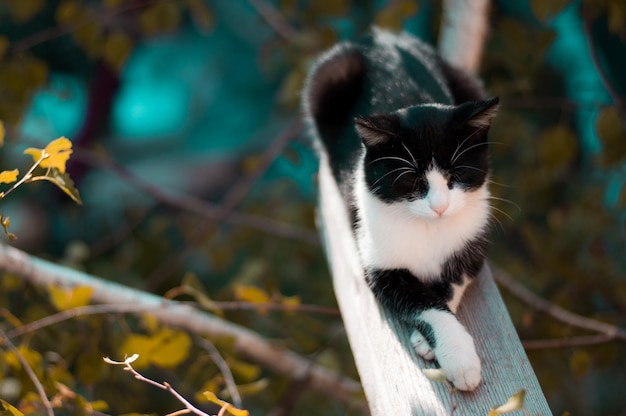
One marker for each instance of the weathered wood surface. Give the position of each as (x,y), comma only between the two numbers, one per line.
(390,370)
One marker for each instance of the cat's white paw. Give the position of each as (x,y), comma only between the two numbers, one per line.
(421,345)
(461,364)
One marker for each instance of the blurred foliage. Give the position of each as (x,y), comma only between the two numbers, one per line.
(562,234)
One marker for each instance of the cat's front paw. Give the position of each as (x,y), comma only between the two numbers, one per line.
(462,366)
(421,345)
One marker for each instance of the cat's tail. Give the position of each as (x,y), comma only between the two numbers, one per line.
(332,90)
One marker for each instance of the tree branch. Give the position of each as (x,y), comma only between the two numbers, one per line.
(582,341)
(274,19)
(247,342)
(520,292)
(463,32)
(31,374)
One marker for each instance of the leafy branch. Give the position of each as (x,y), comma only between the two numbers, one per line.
(225,407)
(246,342)
(53,159)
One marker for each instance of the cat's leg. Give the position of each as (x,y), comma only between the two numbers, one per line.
(436,331)
(418,340)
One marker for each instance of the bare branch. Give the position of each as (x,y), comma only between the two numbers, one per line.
(582,341)
(618,100)
(234,197)
(31,374)
(224,369)
(247,343)
(274,19)
(463,32)
(127,363)
(570,318)
(109,308)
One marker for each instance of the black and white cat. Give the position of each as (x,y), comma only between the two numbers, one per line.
(405,134)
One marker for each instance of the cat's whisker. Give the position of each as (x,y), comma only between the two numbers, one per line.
(410,154)
(502,212)
(469,167)
(399,176)
(392,158)
(496,223)
(499,184)
(472,147)
(453,158)
(391,172)
(505,200)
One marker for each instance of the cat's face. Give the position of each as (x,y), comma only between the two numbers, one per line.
(432,159)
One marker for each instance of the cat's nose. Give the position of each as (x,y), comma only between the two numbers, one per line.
(439,208)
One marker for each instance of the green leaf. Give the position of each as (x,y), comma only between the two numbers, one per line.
(7,410)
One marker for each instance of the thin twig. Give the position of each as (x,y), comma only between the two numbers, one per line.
(224,369)
(234,197)
(200,207)
(163,386)
(124,308)
(618,100)
(246,342)
(572,342)
(31,374)
(570,318)
(55,32)
(274,19)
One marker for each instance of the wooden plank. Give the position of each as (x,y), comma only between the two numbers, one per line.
(388,366)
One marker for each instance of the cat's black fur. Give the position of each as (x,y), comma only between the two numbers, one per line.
(387,110)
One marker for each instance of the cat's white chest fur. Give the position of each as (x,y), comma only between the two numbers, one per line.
(418,235)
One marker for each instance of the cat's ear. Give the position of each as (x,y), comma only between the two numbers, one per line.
(374,130)
(478,114)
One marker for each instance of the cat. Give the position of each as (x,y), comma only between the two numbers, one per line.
(405,134)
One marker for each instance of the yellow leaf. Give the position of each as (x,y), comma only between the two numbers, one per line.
(5,222)
(291,302)
(150,322)
(140,346)
(70,298)
(32,357)
(55,155)
(251,294)
(171,348)
(9,176)
(8,410)
(229,407)
(116,48)
(2,130)
(62,181)
(35,153)
(515,402)
(245,372)
(435,374)
(580,363)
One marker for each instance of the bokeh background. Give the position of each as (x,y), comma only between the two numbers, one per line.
(171,102)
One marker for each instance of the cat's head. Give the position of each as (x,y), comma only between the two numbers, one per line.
(432,158)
